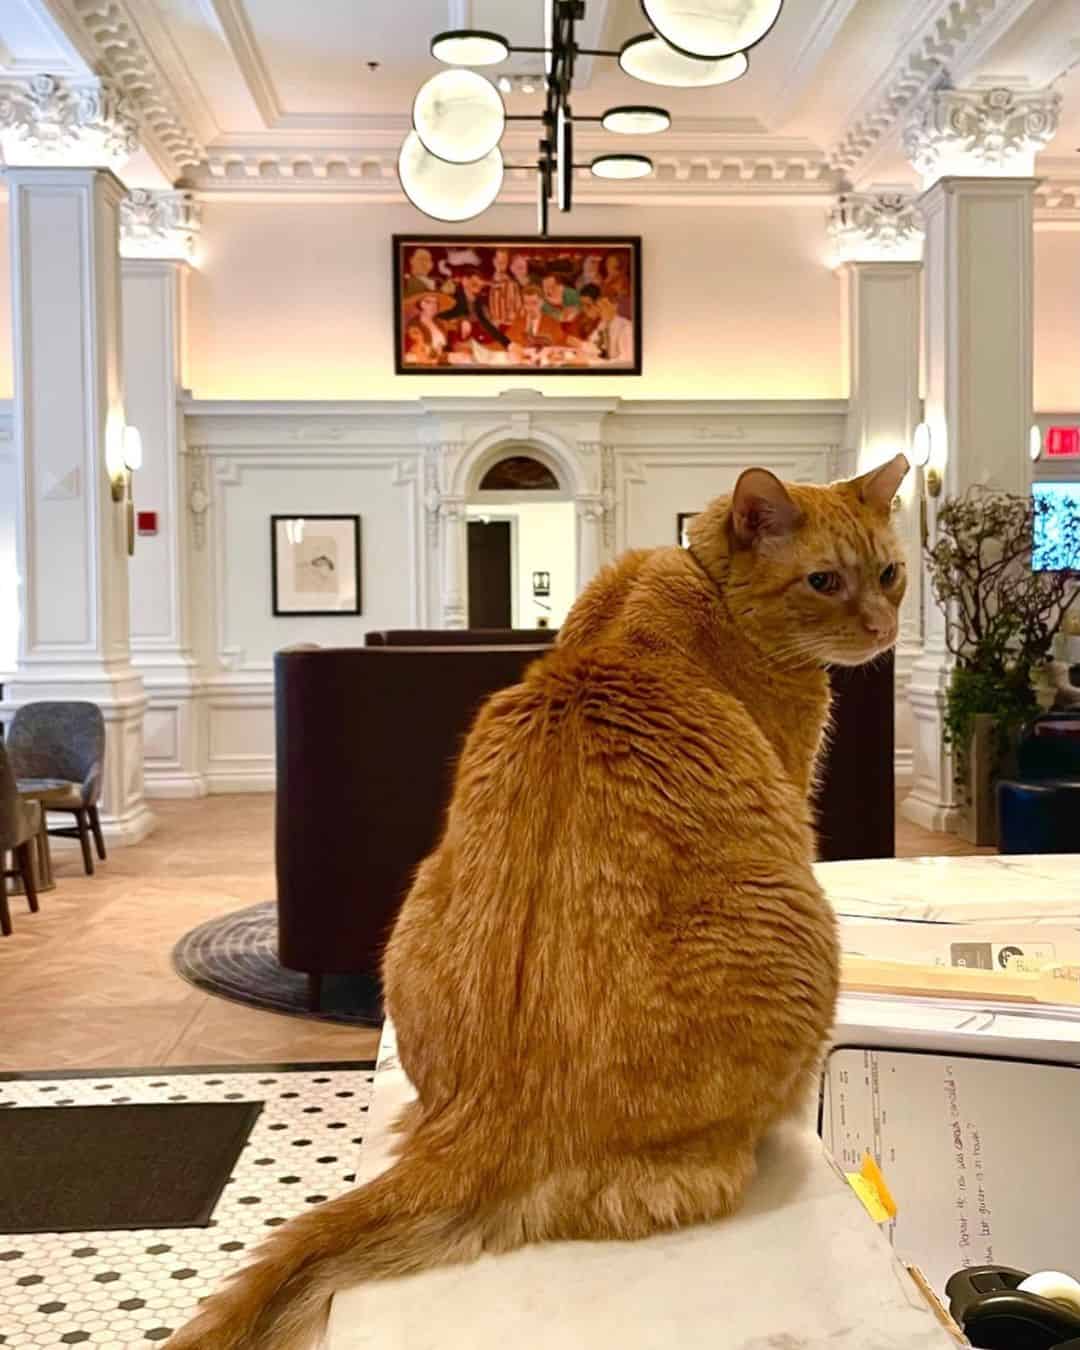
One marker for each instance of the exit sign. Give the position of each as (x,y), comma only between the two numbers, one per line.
(1063,442)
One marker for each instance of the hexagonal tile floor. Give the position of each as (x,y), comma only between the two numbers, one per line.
(119,1289)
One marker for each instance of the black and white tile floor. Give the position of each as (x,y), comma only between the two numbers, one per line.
(115,1290)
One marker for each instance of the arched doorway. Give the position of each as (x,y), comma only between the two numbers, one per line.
(522,540)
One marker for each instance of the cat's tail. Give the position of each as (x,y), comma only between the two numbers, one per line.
(423,1212)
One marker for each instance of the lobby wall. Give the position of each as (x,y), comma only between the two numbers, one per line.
(293,300)
(1057,319)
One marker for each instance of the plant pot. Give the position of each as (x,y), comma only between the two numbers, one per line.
(978,824)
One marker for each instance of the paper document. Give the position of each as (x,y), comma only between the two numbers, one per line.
(977,946)
(979,1154)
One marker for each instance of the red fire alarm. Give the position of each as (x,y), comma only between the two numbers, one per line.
(146,522)
(1063,442)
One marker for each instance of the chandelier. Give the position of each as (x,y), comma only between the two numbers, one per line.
(451,166)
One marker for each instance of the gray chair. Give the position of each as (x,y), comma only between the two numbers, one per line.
(57,752)
(19,823)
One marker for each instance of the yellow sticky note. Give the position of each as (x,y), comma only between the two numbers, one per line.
(869,1185)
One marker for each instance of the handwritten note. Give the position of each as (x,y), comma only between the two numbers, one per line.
(979,1154)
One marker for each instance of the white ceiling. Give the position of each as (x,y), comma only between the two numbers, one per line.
(260,83)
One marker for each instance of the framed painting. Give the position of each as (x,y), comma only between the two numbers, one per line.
(496,304)
(682,520)
(315,564)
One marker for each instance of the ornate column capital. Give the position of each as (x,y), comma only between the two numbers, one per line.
(980,132)
(161,225)
(591,506)
(85,124)
(875,227)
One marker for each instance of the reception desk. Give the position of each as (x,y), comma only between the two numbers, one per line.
(800,1267)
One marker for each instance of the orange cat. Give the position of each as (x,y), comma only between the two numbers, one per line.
(616,971)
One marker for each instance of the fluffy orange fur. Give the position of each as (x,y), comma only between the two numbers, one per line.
(616,971)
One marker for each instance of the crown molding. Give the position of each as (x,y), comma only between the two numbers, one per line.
(948,35)
(682,175)
(1057,203)
(122,51)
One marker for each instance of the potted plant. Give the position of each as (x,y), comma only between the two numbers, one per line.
(1001,619)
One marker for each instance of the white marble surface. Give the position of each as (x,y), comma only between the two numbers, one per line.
(1032,887)
(800,1267)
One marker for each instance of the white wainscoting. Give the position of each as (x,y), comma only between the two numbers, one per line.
(246,463)
(407,469)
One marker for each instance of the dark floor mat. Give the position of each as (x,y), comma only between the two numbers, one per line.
(74,1169)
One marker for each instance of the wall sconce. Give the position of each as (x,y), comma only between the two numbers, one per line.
(1035,443)
(921,447)
(123,455)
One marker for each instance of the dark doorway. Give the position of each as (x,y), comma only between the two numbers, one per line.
(490,602)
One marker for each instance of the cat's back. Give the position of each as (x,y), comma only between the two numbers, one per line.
(608,739)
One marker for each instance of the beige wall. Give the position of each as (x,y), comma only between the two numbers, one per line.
(293,300)
(1057,320)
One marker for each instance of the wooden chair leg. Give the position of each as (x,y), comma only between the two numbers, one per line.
(25,855)
(84,839)
(95,825)
(5,911)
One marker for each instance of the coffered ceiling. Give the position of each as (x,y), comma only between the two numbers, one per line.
(314,95)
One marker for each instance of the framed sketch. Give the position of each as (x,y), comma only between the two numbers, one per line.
(682,520)
(315,564)
(491,304)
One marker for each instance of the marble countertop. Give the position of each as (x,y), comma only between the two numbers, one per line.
(800,1267)
(1032,887)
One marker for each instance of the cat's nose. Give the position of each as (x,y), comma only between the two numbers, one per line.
(879,626)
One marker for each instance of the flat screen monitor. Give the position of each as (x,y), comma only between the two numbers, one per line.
(1056,548)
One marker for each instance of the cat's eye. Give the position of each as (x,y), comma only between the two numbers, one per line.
(889,575)
(825,583)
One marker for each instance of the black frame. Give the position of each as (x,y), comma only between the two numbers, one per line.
(315,613)
(515,241)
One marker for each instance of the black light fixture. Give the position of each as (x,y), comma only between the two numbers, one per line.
(450,165)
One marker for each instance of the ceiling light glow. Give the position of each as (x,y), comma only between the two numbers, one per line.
(649,58)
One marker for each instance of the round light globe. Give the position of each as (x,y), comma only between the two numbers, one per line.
(448,191)
(635,120)
(649,58)
(459,116)
(469,47)
(712,28)
(622,166)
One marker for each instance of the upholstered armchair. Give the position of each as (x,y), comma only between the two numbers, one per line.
(19,823)
(57,753)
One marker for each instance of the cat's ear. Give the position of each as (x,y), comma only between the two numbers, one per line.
(760,505)
(877,488)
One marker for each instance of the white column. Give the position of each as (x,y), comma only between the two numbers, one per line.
(71,536)
(877,242)
(455,566)
(591,511)
(154,281)
(976,152)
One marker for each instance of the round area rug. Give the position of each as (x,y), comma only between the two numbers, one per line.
(236,957)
